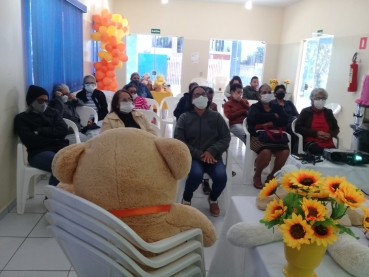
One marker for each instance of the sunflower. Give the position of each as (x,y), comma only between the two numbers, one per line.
(331,184)
(306,179)
(296,231)
(319,193)
(269,189)
(314,210)
(324,234)
(366,218)
(350,195)
(286,182)
(274,210)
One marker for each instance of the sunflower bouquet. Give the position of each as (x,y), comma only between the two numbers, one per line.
(312,208)
(286,83)
(273,83)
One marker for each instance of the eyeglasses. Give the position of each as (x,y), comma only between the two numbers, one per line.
(197,95)
(322,98)
(41,101)
(126,101)
(89,83)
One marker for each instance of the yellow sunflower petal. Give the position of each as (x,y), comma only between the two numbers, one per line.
(307,179)
(269,189)
(274,210)
(324,235)
(350,195)
(314,210)
(286,184)
(331,184)
(366,218)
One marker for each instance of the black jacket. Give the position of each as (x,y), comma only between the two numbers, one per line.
(257,115)
(208,132)
(99,99)
(50,127)
(249,93)
(67,109)
(181,106)
(303,123)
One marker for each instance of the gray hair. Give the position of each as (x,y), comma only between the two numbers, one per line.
(59,87)
(88,76)
(264,85)
(317,91)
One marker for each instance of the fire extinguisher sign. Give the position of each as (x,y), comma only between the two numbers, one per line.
(363,42)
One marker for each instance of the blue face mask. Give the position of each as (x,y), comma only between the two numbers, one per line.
(136,82)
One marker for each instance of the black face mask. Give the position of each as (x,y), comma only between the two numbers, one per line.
(280,95)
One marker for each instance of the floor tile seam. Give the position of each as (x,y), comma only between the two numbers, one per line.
(24,239)
(35,226)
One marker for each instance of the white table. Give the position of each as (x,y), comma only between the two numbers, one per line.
(262,261)
(357,175)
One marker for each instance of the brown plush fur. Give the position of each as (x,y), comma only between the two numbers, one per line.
(129,168)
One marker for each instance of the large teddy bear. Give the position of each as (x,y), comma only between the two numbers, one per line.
(128,168)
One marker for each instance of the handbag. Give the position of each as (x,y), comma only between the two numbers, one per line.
(271,134)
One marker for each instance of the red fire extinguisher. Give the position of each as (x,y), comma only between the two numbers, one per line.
(354,68)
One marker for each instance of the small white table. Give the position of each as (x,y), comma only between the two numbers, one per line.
(262,261)
(357,175)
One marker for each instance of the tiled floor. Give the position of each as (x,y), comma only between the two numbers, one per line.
(27,250)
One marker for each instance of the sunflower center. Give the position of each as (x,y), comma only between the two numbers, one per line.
(297,231)
(321,230)
(307,181)
(312,212)
(367,220)
(335,186)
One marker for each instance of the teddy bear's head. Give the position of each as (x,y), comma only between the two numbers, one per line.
(124,168)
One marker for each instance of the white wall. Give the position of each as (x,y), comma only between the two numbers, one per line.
(198,22)
(347,21)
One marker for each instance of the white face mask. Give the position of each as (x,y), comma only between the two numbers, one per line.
(65,98)
(319,104)
(39,108)
(126,107)
(200,102)
(134,96)
(90,88)
(266,98)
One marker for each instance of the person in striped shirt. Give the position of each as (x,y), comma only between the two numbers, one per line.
(139,102)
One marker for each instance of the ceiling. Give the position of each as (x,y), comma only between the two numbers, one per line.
(270,3)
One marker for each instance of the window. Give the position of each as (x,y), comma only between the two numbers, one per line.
(53,42)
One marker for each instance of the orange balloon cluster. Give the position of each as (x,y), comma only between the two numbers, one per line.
(109,29)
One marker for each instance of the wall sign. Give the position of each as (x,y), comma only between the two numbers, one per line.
(363,42)
(155,31)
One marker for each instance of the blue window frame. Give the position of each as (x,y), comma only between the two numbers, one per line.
(53,42)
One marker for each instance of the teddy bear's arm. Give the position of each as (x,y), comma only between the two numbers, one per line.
(186,217)
(69,188)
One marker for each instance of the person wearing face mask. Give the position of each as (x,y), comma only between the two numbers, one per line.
(142,89)
(227,90)
(122,114)
(271,116)
(207,136)
(93,97)
(317,124)
(139,102)
(42,130)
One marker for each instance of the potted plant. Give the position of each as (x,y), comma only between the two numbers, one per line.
(273,83)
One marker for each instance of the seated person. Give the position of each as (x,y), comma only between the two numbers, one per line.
(42,130)
(317,124)
(235,80)
(210,94)
(142,89)
(251,92)
(207,136)
(289,108)
(123,115)
(181,106)
(268,114)
(65,103)
(139,102)
(93,97)
(235,109)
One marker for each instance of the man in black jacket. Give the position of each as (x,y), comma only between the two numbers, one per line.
(42,130)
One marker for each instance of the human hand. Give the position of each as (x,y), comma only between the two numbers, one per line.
(326,136)
(276,115)
(237,97)
(206,157)
(58,93)
(89,122)
(71,97)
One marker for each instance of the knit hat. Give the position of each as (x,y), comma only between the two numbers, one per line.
(34,92)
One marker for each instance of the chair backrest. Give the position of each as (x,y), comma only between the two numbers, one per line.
(73,125)
(153,105)
(335,107)
(108,93)
(156,129)
(21,155)
(252,101)
(85,113)
(220,96)
(150,115)
(171,104)
(220,83)
(200,81)
(220,102)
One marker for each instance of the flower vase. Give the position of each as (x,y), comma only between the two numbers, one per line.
(303,262)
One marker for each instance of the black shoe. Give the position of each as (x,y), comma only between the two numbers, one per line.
(234,173)
(206,187)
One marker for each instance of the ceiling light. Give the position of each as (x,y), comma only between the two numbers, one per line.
(248,5)
(164,1)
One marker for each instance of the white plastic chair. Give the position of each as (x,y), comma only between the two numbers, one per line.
(220,83)
(103,231)
(156,129)
(150,115)
(220,97)
(171,104)
(85,113)
(73,125)
(252,101)
(25,172)
(227,192)
(220,102)
(250,156)
(335,107)
(200,81)
(153,105)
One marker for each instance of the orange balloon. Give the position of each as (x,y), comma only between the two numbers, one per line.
(115,52)
(112,23)
(104,37)
(114,83)
(108,47)
(104,62)
(96,18)
(110,74)
(96,26)
(107,81)
(106,88)
(104,68)
(112,40)
(104,12)
(115,61)
(97,65)
(105,21)
(99,75)
(121,47)
(119,25)
(111,66)
(124,58)
(100,85)
(125,29)
(108,16)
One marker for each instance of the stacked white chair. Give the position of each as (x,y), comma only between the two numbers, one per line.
(153,105)
(171,104)
(73,125)
(335,107)
(200,81)
(220,83)
(85,113)
(109,97)
(99,244)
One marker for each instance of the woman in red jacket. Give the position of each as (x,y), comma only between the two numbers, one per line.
(235,109)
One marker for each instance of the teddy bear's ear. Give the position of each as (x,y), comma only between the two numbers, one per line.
(176,155)
(65,162)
